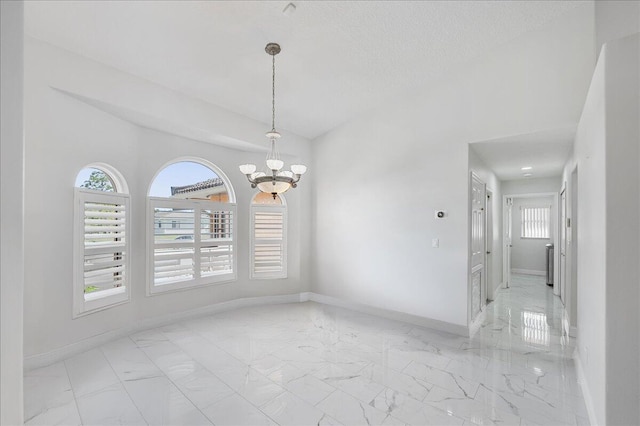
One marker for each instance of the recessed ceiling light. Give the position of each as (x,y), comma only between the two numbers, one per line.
(527,175)
(526,168)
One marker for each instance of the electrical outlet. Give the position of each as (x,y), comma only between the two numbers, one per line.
(435,243)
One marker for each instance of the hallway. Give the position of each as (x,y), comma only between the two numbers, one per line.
(309,363)
(522,336)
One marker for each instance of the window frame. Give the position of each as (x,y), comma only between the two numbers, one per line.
(258,208)
(151,288)
(81,306)
(547,222)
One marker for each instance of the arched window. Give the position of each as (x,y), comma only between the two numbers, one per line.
(191,227)
(101,240)
(268,236)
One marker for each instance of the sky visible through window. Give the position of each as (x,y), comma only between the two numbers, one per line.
(179,174)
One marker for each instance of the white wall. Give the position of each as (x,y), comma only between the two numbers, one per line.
(606,152)
(385,173)
(531,186)
(11,213)
(616,19)
(528,254)
(622,117)
(63,134)
(494,185)
(589,152)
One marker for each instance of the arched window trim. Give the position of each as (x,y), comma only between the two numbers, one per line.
(116,177)
(200,248)
(222,175)
(84,255)
(256,209)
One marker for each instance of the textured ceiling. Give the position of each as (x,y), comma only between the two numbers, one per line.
(545,152)
(338,59)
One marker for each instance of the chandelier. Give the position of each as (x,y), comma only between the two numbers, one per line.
(276,181)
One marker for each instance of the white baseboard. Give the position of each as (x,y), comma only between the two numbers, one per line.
(588,400)
(571,329)
(497,290)
(474,326)
(394,315)
(47,358)
(528,272)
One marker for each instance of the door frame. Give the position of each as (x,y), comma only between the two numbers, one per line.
(562,230)
(507,232)
(555,214)
(488,245)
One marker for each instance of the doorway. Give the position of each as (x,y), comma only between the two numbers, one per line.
(530,223)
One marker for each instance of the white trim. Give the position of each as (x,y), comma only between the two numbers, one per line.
(116,177)
(497,290)
(59,354)
(434,324)
(528,272)
(570,329)
(476,323)
(215,169)
(588,400)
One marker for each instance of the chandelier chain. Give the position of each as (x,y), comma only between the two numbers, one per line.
(273,93)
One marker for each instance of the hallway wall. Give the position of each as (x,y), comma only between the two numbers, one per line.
(606,154)
(11,212)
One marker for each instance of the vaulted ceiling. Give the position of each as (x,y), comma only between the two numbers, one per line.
(338,59)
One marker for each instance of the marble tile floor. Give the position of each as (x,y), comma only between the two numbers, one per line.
(307,363)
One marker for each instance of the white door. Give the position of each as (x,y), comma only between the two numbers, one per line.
(507,241)
(488,248)
(478,244)
(562,275)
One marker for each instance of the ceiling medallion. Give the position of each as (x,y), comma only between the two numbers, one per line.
(276,181)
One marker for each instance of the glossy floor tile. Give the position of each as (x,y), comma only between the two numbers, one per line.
(314,364)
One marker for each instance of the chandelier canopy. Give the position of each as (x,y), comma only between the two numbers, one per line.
(276,181)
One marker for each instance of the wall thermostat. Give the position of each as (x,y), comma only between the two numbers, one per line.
(441,214)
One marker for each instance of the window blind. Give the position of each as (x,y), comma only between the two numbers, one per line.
(102,249)
(535,222)
(268,238)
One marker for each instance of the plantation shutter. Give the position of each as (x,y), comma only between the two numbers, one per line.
(102,246)
(268,237)
(192,243)
(535,222)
